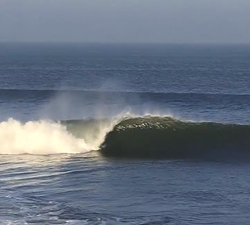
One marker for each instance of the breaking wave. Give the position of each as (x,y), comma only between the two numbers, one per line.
(131,137)
(47,137)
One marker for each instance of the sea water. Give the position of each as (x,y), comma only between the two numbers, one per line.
(124,134)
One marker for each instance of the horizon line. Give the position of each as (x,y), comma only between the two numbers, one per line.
(124,43)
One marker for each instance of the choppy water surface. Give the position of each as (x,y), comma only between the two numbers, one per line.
(89,189)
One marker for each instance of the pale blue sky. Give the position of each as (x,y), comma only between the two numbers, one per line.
(156,21)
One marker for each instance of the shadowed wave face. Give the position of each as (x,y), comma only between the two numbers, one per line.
(165,137)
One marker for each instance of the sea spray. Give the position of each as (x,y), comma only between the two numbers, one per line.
(51,137)
(38,137)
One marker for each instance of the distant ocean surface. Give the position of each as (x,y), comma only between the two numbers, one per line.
(124,134)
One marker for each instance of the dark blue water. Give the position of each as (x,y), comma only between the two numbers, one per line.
(49,175)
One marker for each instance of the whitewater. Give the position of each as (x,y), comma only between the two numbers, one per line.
(48,137)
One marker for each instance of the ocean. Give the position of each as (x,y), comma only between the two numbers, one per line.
(145,134)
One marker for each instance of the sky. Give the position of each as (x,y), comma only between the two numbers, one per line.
(125,21)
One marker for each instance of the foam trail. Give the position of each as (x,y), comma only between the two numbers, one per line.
(38,137)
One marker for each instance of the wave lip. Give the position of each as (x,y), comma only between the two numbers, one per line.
(166,137)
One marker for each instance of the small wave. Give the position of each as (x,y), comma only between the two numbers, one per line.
(19,93)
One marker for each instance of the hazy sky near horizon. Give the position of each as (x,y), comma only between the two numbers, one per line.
(143,21)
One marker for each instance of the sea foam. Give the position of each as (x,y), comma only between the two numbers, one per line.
(38,137)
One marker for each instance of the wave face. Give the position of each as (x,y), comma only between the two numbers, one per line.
(166,137)
(129,137)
